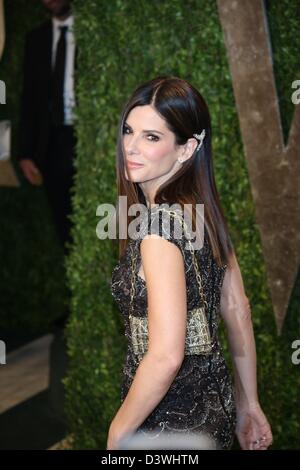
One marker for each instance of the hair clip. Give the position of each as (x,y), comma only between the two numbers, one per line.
(200,138)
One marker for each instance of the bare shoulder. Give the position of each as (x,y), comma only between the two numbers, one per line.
(161,257)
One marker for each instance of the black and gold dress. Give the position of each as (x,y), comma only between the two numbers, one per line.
(200,399)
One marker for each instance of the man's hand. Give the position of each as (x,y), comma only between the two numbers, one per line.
(31,172)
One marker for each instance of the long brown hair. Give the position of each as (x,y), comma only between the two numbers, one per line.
(185,112)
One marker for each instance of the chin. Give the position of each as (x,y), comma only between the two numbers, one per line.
(134,178)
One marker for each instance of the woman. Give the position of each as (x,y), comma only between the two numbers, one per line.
(164,157)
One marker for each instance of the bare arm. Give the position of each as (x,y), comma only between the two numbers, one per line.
(164,273)
(253,430)
(236,313)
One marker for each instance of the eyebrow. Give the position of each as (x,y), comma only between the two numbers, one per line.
(145,130)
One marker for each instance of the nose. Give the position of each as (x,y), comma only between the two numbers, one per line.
(131,145)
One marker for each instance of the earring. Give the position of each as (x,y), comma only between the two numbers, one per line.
(180,160)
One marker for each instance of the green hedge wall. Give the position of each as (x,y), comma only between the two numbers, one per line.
(123,43)
(31,260)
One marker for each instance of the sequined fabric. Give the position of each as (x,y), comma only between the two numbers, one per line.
(200,399)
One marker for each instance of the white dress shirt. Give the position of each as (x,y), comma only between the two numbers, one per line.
(69,95)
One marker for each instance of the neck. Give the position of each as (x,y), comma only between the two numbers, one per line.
(64,16)
(149,198)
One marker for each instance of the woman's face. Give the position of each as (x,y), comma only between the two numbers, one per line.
(149,142)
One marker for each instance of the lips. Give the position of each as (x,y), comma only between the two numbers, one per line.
(134,164)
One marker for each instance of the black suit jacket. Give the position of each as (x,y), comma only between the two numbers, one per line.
(36,95)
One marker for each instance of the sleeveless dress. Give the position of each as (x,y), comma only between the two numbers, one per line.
(200,399)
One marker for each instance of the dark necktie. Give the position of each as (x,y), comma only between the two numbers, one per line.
(58,77)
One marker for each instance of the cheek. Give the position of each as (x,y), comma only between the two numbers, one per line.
(160,152)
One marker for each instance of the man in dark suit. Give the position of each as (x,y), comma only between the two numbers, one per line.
(47,142)
(47,138)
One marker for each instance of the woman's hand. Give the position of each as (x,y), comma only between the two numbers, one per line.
(253,430)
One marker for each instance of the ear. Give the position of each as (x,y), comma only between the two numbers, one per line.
(188,149)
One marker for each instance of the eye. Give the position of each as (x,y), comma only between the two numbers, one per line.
(126,130)
(154,138)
